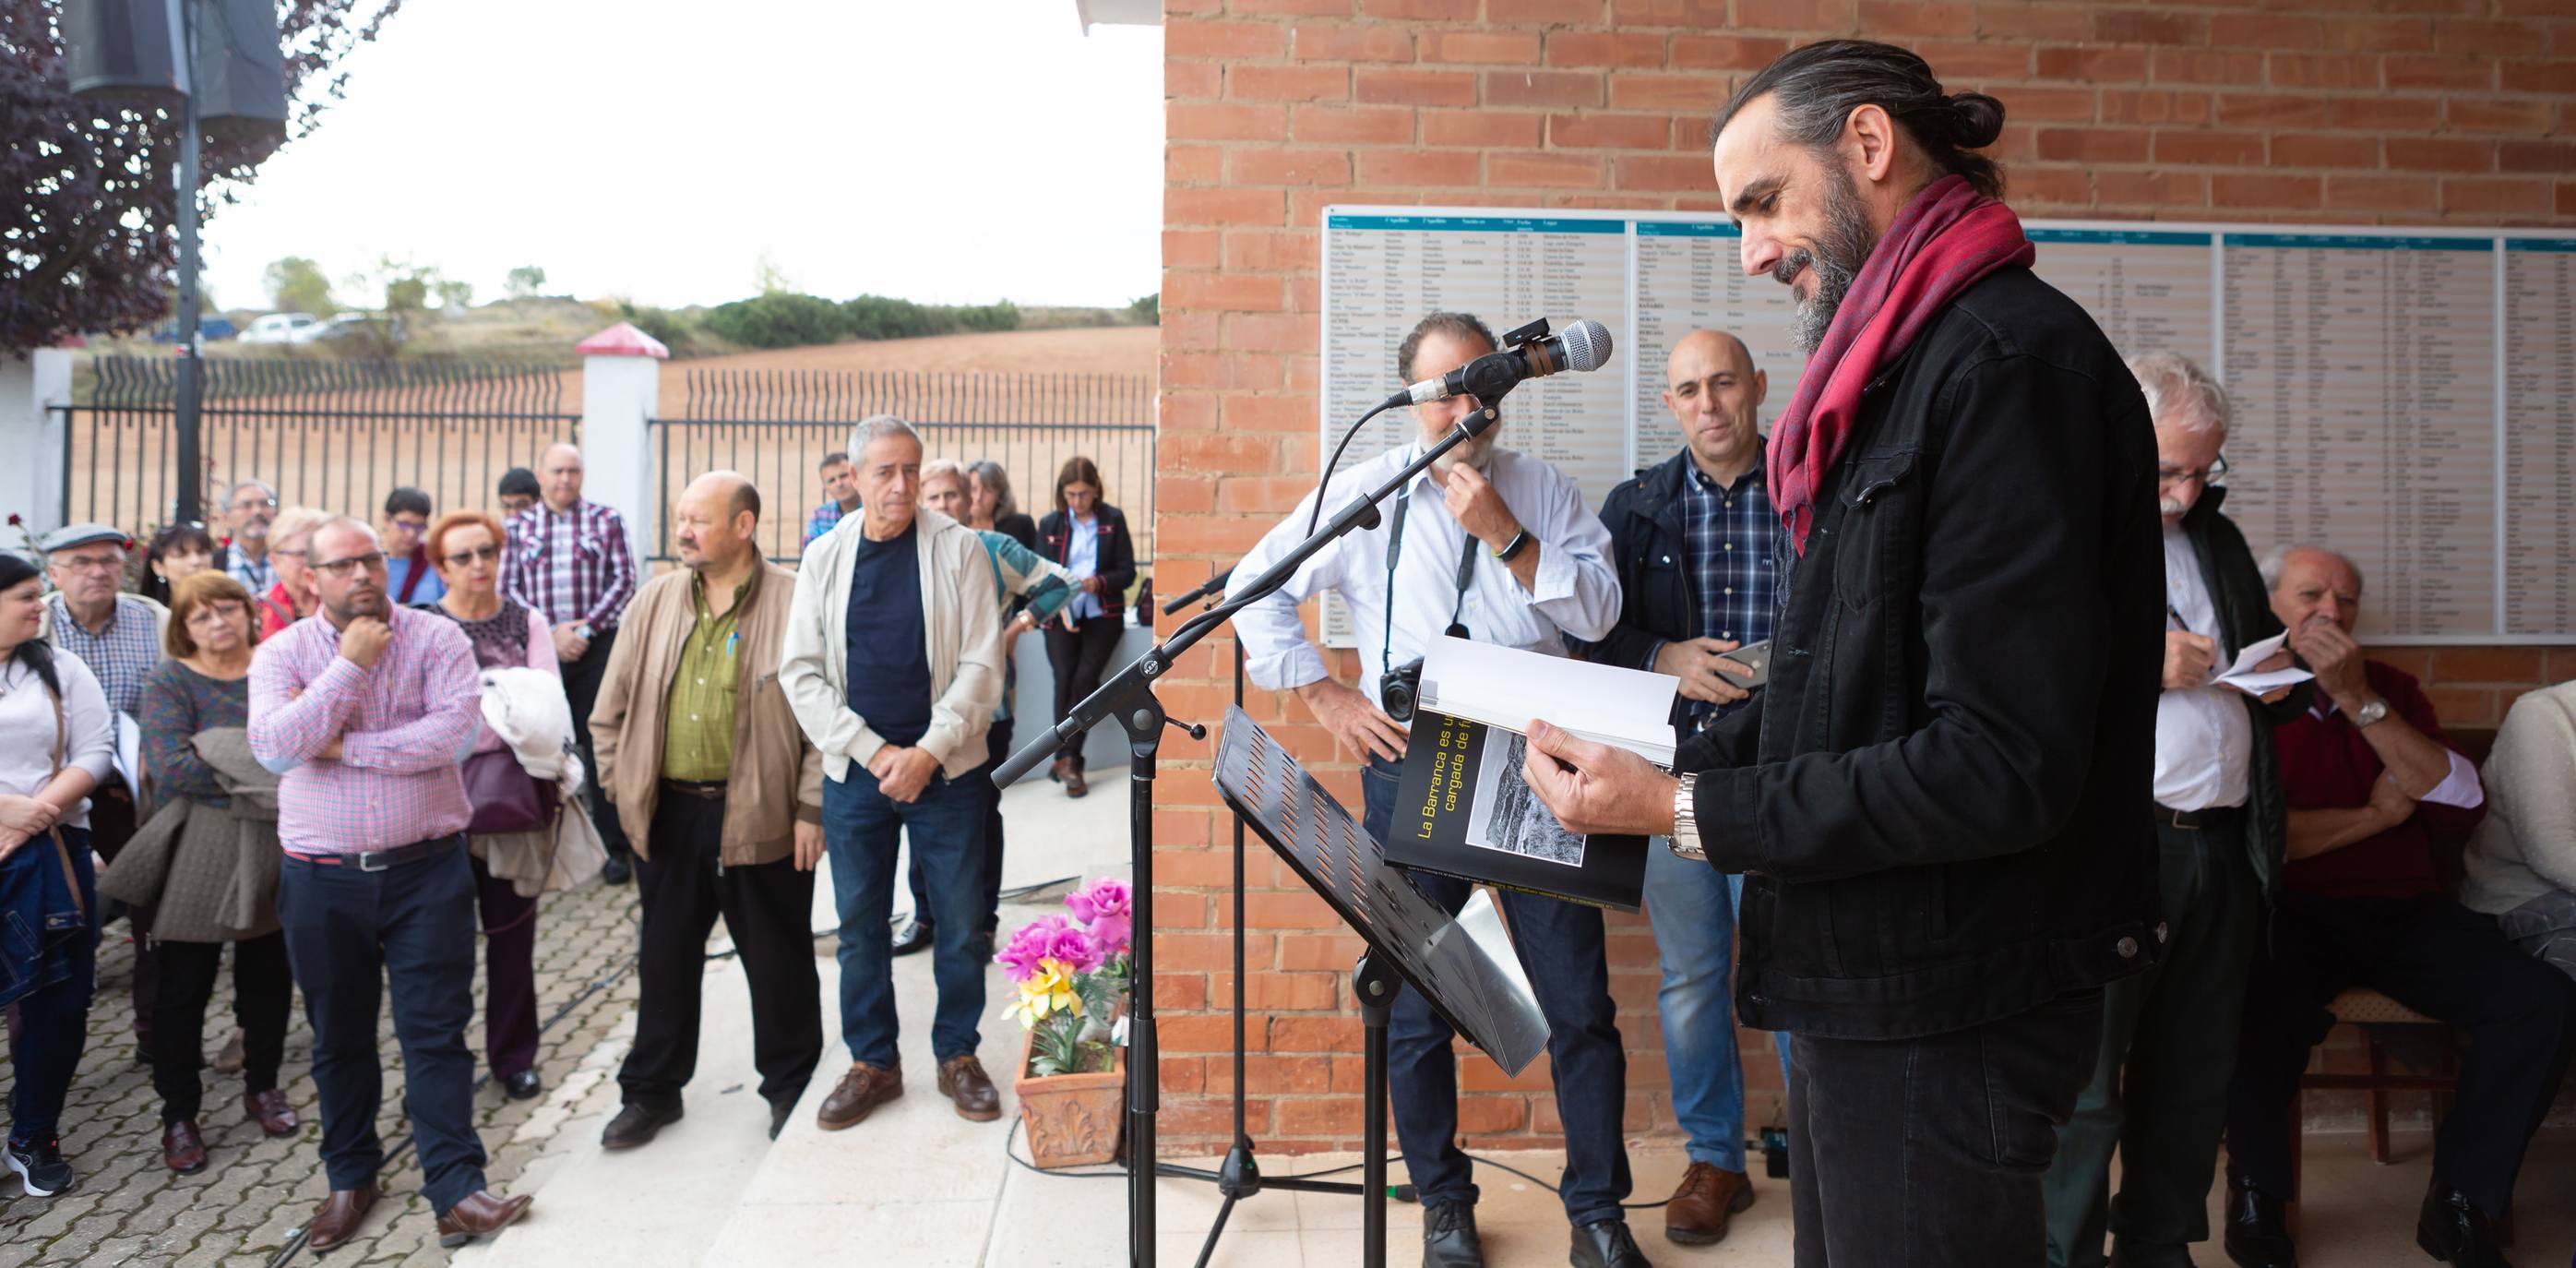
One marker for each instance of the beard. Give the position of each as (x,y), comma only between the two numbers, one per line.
(1474,453)
(1841,249)
(2170,507)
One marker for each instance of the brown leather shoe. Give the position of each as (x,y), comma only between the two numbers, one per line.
(1708,1194)
(1059,768)
(182,1148)
(339,1217)
(860,1091)
(270,1110)
(962,1080)
(1073,785)
(479,1215)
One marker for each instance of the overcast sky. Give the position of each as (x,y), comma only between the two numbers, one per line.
(953,151)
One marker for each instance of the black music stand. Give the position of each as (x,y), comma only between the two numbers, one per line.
(1463,965)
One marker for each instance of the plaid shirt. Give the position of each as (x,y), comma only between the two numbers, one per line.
(121,658)
(404,728)
(1728,535)
(258,576)
(822,520)
(571,568)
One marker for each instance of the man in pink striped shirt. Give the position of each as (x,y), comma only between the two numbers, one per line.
(367,711)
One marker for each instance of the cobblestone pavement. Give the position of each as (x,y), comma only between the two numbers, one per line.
(243,1210)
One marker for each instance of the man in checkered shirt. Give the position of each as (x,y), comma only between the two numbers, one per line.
(569,559)
(1693,541)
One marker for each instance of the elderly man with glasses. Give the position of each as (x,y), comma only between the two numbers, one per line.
(2159,1088)
(250,508)
(118,636)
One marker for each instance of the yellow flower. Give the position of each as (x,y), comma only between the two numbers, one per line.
(1049,990)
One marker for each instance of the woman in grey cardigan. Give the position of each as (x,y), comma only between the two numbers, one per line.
(205,686)
(2521,863)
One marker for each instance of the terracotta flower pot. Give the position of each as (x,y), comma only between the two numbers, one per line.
(1072,1119)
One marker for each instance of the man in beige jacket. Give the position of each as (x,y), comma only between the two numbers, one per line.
(894,668)
(722,797)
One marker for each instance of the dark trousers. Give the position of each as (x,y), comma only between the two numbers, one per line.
(509,973)
(768,908)
(998,747)
(263,1001)
(111,825)
(1927,1153)
(861,826)
(2159,1089)
(349,933)
(53,1021)
(1561,948)
(2438,958)
(1079,658)
(581,687)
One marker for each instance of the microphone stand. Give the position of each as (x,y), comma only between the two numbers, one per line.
(1129,698)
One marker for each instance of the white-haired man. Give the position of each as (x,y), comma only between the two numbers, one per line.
(893,665)
(2159,1089)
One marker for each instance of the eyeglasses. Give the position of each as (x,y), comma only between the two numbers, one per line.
(290,554)
(91,563)
(463,557)
(372,561)
(255,504)
(2203,475)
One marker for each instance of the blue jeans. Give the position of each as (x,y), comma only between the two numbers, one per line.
(861,830)
(1692,907)
(45,1051)
(349,935)
(1560,946)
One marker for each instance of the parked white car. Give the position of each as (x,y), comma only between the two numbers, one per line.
(280,328)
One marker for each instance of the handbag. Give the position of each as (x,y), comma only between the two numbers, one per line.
(505,797)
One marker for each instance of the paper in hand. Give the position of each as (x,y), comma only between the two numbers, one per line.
(2244,677)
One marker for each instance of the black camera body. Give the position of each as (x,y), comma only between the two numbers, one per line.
(1399,690)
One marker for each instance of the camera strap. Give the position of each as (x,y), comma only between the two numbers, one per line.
(1394,553)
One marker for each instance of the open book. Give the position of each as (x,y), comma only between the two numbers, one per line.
(1462,808)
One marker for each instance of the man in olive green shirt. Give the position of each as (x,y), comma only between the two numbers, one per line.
(729,794)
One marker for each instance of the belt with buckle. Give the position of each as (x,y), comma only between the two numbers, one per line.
(702,789)
(384,860)
(2196,820)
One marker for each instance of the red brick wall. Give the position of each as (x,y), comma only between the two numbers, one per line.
(2442,111)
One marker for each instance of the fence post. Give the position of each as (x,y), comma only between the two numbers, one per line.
(621,381)
(34,437)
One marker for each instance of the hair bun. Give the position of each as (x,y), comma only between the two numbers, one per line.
(1975,120)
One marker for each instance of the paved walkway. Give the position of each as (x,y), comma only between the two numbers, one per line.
(242,1211)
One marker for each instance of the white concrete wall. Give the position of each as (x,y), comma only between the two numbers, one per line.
(33,444)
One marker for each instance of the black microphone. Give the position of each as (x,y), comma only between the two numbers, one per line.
(1585,345)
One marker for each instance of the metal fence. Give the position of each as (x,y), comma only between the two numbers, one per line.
(339,435)
(776,426)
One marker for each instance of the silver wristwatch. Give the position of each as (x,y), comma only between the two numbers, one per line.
(2370,713)
(1685,838)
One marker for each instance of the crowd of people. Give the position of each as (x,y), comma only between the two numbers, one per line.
(2019,880)
(353,751)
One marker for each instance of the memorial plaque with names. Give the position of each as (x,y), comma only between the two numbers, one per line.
(2362,369)
(2539,475)
(2407,396)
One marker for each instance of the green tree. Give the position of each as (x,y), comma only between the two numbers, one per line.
(297,285)
(1150,308)
(526,281)
(453,293)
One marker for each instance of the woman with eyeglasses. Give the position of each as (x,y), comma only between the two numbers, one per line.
(204,686)
(177,553)
(465,546)
(290,550)
(1088,538)
(55,745)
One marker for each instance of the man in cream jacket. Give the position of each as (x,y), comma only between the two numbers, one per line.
(893,666)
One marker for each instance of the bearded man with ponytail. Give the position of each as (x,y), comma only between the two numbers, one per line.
(1942,802)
